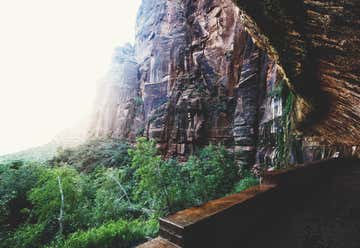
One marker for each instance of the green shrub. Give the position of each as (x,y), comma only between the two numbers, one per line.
(16,180)
(245,183)
(167,186)
(119,234)
(26,236)
(113,196)
(94,154)
(149,174)
(46,198)
(211,174)
(114,201)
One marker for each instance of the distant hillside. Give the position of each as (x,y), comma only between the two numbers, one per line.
(94,153)
(68,138)
(40,153)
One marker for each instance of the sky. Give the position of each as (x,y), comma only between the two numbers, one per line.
(52,54)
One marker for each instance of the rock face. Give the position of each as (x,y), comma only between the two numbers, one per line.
(201,72)
(118,111)
(203,80)
(317,43)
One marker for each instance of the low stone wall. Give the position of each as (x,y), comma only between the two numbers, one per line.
(288,209)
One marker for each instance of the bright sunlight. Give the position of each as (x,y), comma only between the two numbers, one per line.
(52,53)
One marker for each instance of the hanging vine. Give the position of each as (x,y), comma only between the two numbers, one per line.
(284,136)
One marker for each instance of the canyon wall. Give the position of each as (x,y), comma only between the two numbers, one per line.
(118,108)
(199,74)
(318,45)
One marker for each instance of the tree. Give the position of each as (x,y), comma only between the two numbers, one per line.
(67,195)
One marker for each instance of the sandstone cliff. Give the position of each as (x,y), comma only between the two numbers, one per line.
(118,105)
(201,72)
(317,43)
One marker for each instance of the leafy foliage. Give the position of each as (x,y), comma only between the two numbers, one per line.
(152,175)
(26,236)
(116,234)
(45,197)
(167,186)
(285,137)
(15,181)
(245,183)
(211,174)
(93,154)
(108,194)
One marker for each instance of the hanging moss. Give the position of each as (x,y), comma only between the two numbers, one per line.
(285,135)
(278,89)
(283,140)
(138,101)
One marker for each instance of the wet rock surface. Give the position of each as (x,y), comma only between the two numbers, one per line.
(317,43)
(203,71)
(202,78)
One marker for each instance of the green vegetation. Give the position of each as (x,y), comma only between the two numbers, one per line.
(246,183)
(94,154)
(138,101)
(38,154)
(113,234)
(284,139)
(105,194)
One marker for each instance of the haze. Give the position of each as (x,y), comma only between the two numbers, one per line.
(52,53)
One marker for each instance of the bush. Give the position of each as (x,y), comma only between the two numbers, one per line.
(113,196)
(150,174)
(211,174)
(26,236)
(46,199)
(94,154)
(16,180)
(119,234)
(113,201)
(245,183)
(167,186)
